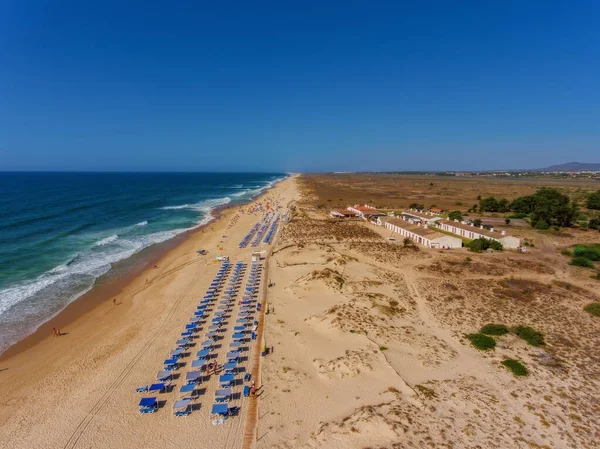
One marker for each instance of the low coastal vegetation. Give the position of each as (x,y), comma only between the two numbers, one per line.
(494,329)
(529,334)
(583,255)
(483,244)
(593,308)
(482,342)
(516,367)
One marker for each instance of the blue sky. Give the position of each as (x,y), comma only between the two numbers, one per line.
(298,86)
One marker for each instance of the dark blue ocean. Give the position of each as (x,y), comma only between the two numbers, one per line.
(60,231)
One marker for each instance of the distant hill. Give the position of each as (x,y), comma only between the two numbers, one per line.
(573,166)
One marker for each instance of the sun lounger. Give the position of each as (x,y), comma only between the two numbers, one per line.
(182,407)
(143,389)
(246,391)
(148,405)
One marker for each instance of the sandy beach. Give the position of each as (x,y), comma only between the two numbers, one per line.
(365,346)
(79,390)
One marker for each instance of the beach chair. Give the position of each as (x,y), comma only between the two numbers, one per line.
(246,391)
(182,407)
(148,405)
(143,389)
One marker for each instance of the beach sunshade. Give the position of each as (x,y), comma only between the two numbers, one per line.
(211,334)
(226,378)
(220,409)
(183,341)
(163,375)
(176,352)
(230,366)
(239,328)
(182,403)
(232,355)
(185,389)
(171,361)
(217,320)
(148,402)
(219,314)
(239,336)
(193,376)
(223,393)
(214,327)
(199,363)
(235,344)
(203,353)
(207,343)
(157,387)
(242,320)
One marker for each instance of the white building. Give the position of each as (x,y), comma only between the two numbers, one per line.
(365,212)
(423,235)
(474,232)
(415,216)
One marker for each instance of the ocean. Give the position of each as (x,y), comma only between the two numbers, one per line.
(60,231)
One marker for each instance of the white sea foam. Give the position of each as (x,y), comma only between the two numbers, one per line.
(202,206)
(107,240)
(78,274)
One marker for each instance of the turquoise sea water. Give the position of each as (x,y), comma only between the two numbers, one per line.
(60,231)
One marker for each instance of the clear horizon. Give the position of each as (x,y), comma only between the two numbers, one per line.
(138,87)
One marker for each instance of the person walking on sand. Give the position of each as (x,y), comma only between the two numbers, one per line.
(54,332)
(115,302)
(58,334)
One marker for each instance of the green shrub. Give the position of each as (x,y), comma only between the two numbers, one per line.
(542,225)
(530,335)
(482,244)
(494,329)
(482,342)
(519,215)
(593,308)
(566,252)
(517,368)
(582,262)
(588,253)
(455,215)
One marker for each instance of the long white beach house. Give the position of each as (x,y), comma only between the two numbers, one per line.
(470,231)
(423,235)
